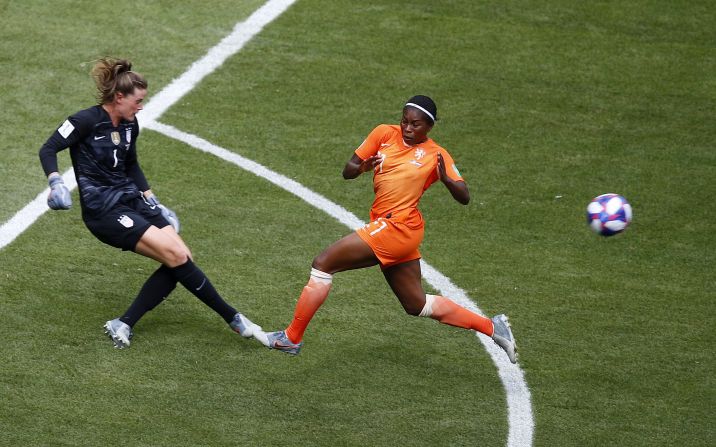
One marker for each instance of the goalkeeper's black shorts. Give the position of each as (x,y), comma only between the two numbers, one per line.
(125,223)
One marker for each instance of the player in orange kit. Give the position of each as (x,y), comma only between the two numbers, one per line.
(405,163)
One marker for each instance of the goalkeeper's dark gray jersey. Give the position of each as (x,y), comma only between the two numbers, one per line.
(104,158)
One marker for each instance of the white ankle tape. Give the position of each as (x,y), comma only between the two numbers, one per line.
(428,308)
(322,277)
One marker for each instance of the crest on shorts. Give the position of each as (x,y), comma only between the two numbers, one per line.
(126,221)
(115,138)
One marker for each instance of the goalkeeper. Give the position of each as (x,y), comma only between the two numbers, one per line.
(118,207)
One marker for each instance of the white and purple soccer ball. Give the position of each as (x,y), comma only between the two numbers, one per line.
(608,214)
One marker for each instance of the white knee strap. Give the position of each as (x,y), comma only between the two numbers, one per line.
(322,277)
(428,308)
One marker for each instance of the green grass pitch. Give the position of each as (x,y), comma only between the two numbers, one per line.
(543,104)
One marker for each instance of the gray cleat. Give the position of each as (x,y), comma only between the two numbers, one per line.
(503,336)
(280,341)
(245,327)
(119,332)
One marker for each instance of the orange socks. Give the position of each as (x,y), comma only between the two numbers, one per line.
(438,308)
(312,297)
(447,312)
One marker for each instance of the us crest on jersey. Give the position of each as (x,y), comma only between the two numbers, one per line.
(128,135)
(115,138)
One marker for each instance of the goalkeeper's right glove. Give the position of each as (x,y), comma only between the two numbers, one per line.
(59,198)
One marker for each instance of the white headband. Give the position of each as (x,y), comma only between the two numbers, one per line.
(421,108)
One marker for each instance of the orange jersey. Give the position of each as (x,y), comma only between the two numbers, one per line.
(404,173)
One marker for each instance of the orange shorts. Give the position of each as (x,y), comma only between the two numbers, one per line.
(392,241)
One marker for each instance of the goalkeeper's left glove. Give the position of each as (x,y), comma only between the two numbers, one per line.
(168,214)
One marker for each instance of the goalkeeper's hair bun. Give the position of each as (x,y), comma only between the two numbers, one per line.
(112,76)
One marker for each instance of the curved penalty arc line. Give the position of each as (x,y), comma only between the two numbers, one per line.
(519,406)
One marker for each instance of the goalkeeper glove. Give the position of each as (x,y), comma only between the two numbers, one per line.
(59,198)
(168,214)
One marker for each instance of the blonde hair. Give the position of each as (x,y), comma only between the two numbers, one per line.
(113,76)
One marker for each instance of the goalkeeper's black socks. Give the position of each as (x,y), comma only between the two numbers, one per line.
(162,283)
(194,280)
(154,291)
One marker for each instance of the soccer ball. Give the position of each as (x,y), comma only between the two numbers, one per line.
(608,214)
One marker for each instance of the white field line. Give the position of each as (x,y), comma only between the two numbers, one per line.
(230,45)
(519,402)
(214,58)
(519,407)
(22,220)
